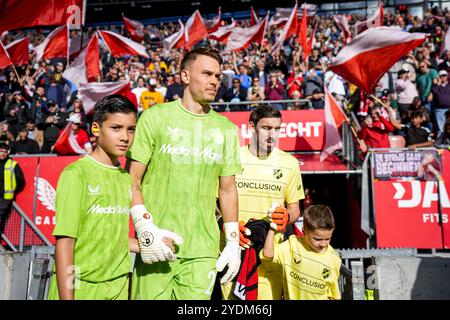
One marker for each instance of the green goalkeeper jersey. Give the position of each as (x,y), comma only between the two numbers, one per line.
(186,153)
(93,206)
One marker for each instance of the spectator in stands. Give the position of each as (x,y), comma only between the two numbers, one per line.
(6,136)
(175,90)
(34,133)
(151,96)
(244,78)
(38,104)
(11,183)
(277,64)
(417,105)
(56,93)
(307,256)
(416,136)
(51,125)
(294,81)
(23,144)
(138,91)
(80,135)
(59,69)
(236,93)
(406,92)
(259,72)
(443,140)
(375,129)
(428,77)
(160,87)
(255,92)
(317,99)
(440,95)
(274,90)
(312,81)
(17,112)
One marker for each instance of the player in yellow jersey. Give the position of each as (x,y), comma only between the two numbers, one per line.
(271,177)
(310,265)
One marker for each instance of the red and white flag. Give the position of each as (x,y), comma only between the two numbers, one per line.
(445,45)
(134,28)
(92,92)
(176,39)
(254,19)
(20,14)
(85,67)
(18,51)
(342,22)
(5,60)
(195,30)
(67,144)
(290,28)
(369,55)
(303,30)
(119,45)
(375,21)
(56,45)
(309,45)
(242,38)
(214,24)
(333,140)
(222,34)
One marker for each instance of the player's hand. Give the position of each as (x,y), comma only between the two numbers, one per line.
(244,233)
(231,254)
(154,243)
(279,218)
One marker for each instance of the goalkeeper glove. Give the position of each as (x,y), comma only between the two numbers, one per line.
(231,254)
(279,218)
(149,236)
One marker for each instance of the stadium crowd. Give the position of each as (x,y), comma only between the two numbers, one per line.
(37,102)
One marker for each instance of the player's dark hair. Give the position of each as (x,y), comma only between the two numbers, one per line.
(201,51)
(318,217)
(114,103)
(264,111)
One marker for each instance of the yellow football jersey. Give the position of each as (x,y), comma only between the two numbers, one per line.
(265,182)
(307,275)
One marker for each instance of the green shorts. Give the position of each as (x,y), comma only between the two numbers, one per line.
(116,289)
(183,279)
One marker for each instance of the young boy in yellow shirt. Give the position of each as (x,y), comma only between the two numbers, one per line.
(310,265)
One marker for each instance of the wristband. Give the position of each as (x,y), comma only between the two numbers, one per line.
(231,230)
(138,212)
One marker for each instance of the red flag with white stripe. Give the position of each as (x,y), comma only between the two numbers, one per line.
(333,140)
(119,45)
(375,21)
(92,92)
(67,144)
(372,53)
(303,30)
(85,67)
(5,60)
(134,28)
(214,24)
(242,38)
(290,28)
(56,45)
(176,39)
(195,30)
(18,51)
(254,19)
(20,14)
(342,22)
(222,34)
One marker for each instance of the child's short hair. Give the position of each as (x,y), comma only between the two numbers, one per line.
(318,217)
(114,103)
(417,114)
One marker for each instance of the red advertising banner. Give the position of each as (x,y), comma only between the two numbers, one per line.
(301,130)
(407,210)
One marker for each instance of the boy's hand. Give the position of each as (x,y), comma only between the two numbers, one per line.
(244,232)
(279,217)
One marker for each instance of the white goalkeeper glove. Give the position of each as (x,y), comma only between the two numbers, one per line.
(231,254)
(149,236)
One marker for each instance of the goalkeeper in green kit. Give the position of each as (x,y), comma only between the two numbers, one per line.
(92,255)
(185,154)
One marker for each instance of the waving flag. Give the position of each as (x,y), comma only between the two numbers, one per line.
(333,140)
(375,21)
(242,38)
(309,45)
(222,34)
(56,45)
(67,144)
(19,14)
(372,53)
(134,28)
(195,30)
(119,45)
(85,67)
(254,19)
(5,60)
(289,29)
(214,24)
(303,30)
(342,22)
(175,40)
(92,92)
(18,51)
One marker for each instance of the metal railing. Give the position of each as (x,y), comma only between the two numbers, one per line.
(303,102)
